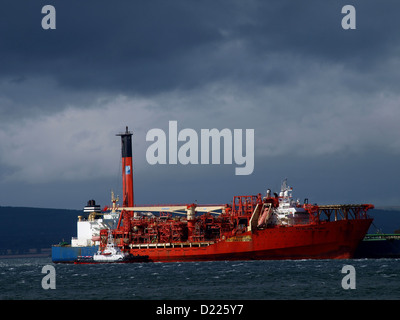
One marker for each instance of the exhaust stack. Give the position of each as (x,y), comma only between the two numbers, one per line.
(127,169)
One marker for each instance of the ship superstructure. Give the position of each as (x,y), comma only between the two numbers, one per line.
(88,229)
(88,225)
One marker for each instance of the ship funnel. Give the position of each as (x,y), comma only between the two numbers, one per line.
(127,169)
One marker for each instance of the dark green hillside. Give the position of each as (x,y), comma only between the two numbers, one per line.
(23,228)
(387,221)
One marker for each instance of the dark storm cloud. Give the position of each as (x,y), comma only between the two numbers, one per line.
(144,47)
(313,28)
(133,46)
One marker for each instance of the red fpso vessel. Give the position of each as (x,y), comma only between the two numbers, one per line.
(252,227)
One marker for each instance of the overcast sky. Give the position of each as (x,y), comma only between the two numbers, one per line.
(324,102)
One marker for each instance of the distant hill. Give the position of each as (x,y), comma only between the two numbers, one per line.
(387,220)
(22,228)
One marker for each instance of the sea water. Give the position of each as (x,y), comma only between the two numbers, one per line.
(25,279)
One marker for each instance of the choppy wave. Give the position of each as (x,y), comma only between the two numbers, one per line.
(252,280)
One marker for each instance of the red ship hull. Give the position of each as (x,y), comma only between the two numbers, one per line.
(323,240)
